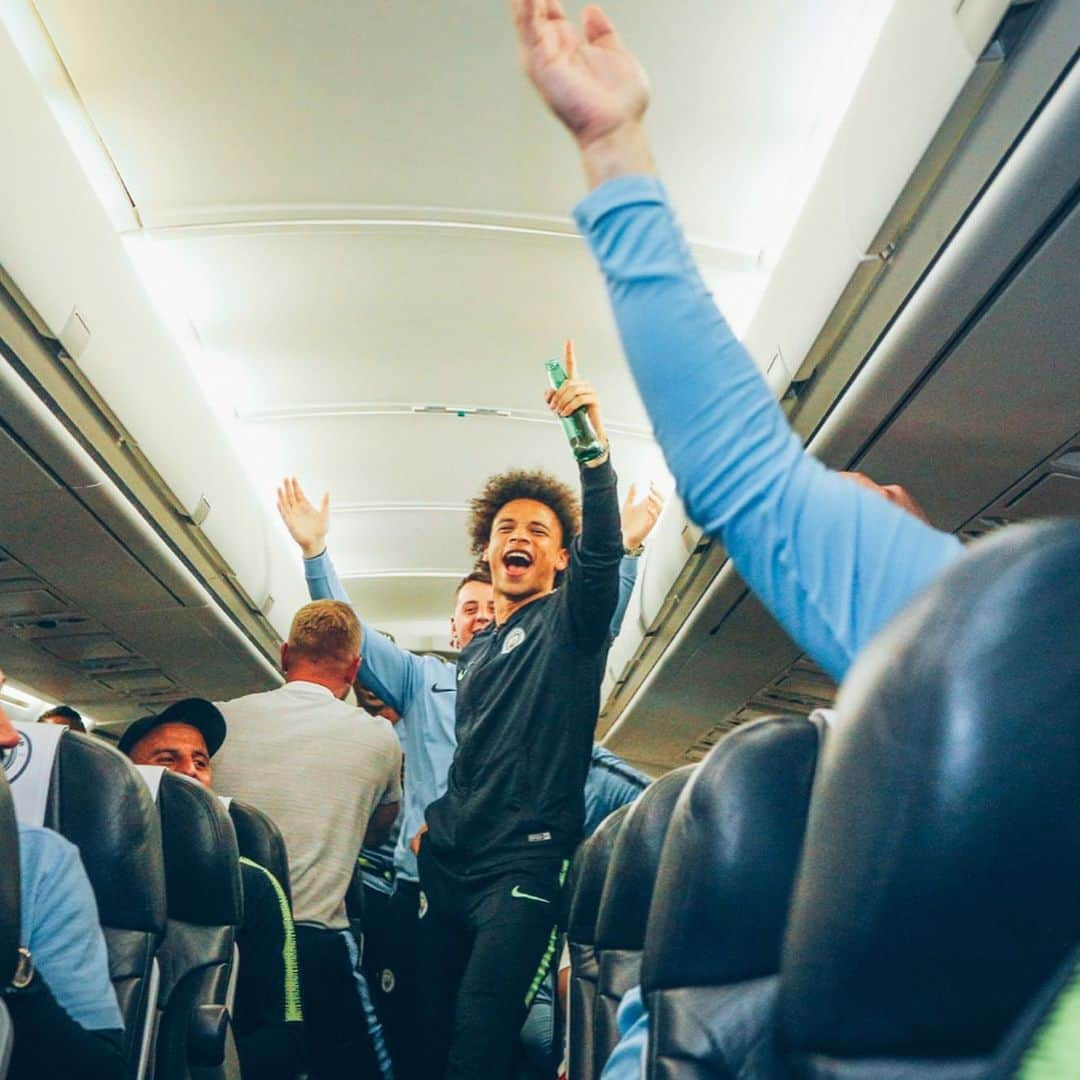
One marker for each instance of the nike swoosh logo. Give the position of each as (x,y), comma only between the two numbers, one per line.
(517,894)
(443,689)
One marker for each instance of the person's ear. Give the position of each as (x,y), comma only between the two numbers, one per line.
(284,657)
(350,674)
(453,633)
(562,560)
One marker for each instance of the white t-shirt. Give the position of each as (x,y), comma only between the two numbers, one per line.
(319,768)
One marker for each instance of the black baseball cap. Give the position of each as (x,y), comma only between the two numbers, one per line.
(196,711)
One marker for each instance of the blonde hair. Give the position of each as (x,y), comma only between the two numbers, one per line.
(325,630)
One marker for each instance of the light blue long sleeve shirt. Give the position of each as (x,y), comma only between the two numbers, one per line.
(60,928)
(833,561)
(610,783)
(423,692)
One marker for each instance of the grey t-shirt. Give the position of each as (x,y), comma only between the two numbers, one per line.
(319,768)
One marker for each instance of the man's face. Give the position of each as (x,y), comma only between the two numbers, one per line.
(526,549)
(179,747)
(475,608)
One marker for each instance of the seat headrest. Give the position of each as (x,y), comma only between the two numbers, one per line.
(730,857)
(10,900)
(95,799)
(940,881)
(202,863)
(259,839)
(29,767)
(628,889)
(586,882)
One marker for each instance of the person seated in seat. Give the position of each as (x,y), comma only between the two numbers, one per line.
(63,716)
(64,1010)
(268,1020)
(330,778)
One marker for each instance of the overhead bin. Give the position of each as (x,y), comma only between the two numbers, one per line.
(924,55)
(60,248)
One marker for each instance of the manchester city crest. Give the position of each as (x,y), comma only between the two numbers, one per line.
(16,758)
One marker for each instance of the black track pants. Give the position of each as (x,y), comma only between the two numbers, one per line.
(484,946)
(390,965)
(335,1024)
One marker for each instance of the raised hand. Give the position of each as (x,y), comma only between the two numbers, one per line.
(589,80)
(638,518)
(307,524)
(575,393)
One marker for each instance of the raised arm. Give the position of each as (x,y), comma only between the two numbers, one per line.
(832,560)
(391,673)
(637,521)
(592,587)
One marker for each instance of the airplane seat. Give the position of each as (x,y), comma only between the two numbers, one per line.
(88,792)
(709,974)
(584,887)
(10,905)
(198,955)
(938,900)
(260,840)
(625,902)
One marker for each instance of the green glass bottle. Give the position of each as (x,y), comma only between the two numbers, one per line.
(578,427)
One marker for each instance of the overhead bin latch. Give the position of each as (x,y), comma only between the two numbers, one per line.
(201,511)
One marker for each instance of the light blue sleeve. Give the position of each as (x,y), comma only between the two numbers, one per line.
(832,560)
(627,1061)
(627,576)
(609,784)
(392,673)
(62,931)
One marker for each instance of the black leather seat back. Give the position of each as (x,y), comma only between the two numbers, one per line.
(709,974)
(624,905)
(205,905)
(260,840)
(98,802)
(585,886)
(10,903)
(940,882)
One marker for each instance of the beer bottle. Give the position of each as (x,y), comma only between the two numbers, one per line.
(580,432)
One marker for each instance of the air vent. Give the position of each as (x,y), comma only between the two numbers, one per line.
(82,647)
(124,682)
(30,602)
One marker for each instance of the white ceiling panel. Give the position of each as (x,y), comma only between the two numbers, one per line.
(420,459)
(393,603)
(412,315)
(258,103)
(361,208)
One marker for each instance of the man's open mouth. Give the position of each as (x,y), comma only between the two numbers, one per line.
(517,562)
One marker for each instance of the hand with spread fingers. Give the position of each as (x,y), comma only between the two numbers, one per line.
(307,524)
(639,517)
(590,81)
(575,393)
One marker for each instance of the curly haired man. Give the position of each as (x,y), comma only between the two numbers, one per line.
(494,855)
